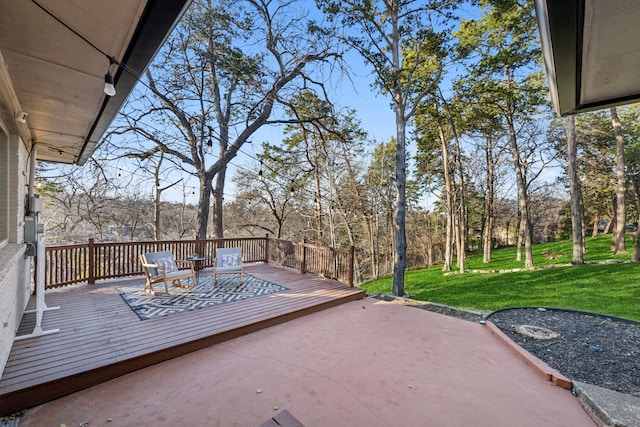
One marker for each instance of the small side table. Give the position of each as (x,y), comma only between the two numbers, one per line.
(196,260)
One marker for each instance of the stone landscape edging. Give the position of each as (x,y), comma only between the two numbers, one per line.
(544,267)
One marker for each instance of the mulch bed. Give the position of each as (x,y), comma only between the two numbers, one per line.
(591,348)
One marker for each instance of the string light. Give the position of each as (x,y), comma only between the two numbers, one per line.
(109,88)
(261,175)
(210,142)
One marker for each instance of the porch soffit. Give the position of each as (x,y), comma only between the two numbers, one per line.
(58,78)
(591,51)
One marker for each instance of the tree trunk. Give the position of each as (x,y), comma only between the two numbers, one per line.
(157,233)
(596,223)
(574,192)
(518,233)
(618,243)
(487,232)
(400,250)
(218,203)
(203,207)
(318,220)
(460,236)
(461,240)
(461,228)
(448,187)
(611,223)
(374,246)
(429,236)
(525,231)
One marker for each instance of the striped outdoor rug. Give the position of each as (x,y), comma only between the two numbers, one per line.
(228,289)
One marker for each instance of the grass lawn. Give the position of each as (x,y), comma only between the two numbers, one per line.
(612,289)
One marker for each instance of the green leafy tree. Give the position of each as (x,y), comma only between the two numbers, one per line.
(618,243)
(595,163)
(504,54)
(396,37)
(379,184)
(629,117)
(577,227)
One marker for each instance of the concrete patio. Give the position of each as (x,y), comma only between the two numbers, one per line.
(363,363)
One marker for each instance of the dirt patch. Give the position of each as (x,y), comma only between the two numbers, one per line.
(472,316)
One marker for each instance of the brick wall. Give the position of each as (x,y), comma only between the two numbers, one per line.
(15,279)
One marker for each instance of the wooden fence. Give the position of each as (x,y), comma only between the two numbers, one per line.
(90,262)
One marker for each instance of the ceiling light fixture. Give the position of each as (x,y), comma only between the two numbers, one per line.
(21,117)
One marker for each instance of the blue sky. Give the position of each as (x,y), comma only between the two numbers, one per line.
(372,109)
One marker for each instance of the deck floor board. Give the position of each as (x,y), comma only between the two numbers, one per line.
(101,337)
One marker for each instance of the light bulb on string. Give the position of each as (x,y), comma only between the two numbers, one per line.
(291,189)
(109,88)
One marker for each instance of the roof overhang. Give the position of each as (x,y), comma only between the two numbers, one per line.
(592,52)
(57,78)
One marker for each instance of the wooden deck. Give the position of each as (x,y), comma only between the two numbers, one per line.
(101,338)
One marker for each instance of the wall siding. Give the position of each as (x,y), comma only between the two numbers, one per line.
(15,278)
(14,295)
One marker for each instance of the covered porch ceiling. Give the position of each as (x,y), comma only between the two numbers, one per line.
(591,51)
(54,55)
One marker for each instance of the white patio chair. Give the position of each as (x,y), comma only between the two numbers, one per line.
(228,261)
(161,267)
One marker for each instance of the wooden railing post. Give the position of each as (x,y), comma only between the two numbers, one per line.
(92,262)
(266,248)
(352,257)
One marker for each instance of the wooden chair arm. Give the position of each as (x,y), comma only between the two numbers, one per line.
(153,265)
(162,270)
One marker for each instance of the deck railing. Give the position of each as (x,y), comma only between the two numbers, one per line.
(93,261)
